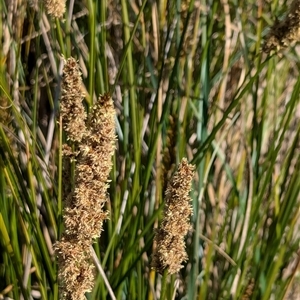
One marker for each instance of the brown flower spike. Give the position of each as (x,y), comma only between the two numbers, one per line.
(285,32)
(85,215)
(83,212)
(55,8)
(170,250)
(71,108)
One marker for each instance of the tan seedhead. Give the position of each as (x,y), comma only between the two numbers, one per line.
(76,270)
(170,246)
(85,215)
(286,32)
(249,290)
(71,107)
(83,205)
(55,8)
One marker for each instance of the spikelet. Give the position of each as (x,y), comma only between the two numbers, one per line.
(83,214)
(286,32)
(71,108)
(170,250)
(55,8)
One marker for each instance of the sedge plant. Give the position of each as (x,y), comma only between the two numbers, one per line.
(103,104)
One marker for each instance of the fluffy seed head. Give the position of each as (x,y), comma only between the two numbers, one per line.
(170,251)
(71,108)
(55,8)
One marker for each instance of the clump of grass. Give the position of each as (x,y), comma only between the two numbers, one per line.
(187,80)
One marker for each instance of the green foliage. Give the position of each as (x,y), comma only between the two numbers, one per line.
(188,78)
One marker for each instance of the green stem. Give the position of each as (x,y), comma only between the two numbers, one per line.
(164,285)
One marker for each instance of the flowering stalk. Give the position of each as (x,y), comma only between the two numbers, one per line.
(170,246)
(55,8)
(83,212)
(285,32)
(71,110)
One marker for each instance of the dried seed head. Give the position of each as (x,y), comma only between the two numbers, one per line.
(286,32)
(55,8)
(76,270)
(249,290)
(170,251)
(83,212)
(71,108)
(94,164)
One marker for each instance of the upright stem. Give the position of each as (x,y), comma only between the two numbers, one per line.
(164,285)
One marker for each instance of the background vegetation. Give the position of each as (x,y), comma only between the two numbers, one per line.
(188,78)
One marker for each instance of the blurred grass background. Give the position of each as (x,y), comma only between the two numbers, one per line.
(188,78)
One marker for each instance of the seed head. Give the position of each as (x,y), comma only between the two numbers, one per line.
(170,250)
(286,32)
